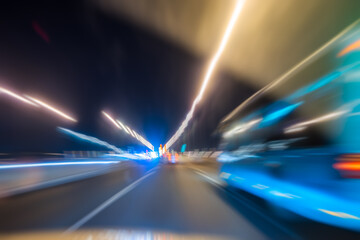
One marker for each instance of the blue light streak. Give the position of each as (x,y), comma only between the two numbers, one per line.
(90,139)
(279,114)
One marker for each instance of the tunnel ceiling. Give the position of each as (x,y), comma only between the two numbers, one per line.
(270,36)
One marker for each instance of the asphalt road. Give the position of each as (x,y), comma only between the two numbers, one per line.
(182,199)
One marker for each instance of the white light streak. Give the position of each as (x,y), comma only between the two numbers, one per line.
(14,95)
(294,129)
(241,128)
(136,135)
(27,165)
(302,125)
(123,126)
(54,110)
(129,131)
(210,71)
(112,120)
(225,39)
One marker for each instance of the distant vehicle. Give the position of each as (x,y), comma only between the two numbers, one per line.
(170,158)
(296,143)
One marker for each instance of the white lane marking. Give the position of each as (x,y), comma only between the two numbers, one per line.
(210,178)
(246,203)
(108,202)
(204,174)
(198,170)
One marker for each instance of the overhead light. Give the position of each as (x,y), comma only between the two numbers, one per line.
(52,109)
(112,120)
(16,96)
(209,72)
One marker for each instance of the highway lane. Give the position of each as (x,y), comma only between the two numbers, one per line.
(184,199)
(178,200)
(58,207)
(22,176)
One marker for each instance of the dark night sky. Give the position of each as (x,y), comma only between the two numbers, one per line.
(77,57)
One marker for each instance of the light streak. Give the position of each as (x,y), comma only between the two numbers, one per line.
(112,120)
(9,166)
(301,126)
(242,128)
(47,106)
(285,195)
(14,95)
(209,72)
(123,126)
(350,48)
(294,129)
(350,166)
(214,61)
(295,69)
(339,214)
(90,139)
(136,135)
(129,131)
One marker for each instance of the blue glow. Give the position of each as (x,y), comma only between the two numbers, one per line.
(183,148)
(350,134)
(316,85)
(320,205)
(323,81)
(278,114)
(27,165)
(299,175)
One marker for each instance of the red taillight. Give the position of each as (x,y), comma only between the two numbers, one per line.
(348,165)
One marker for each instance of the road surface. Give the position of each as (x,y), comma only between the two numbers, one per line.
(181,199)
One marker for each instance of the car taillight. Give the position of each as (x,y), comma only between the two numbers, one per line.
(348,165)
